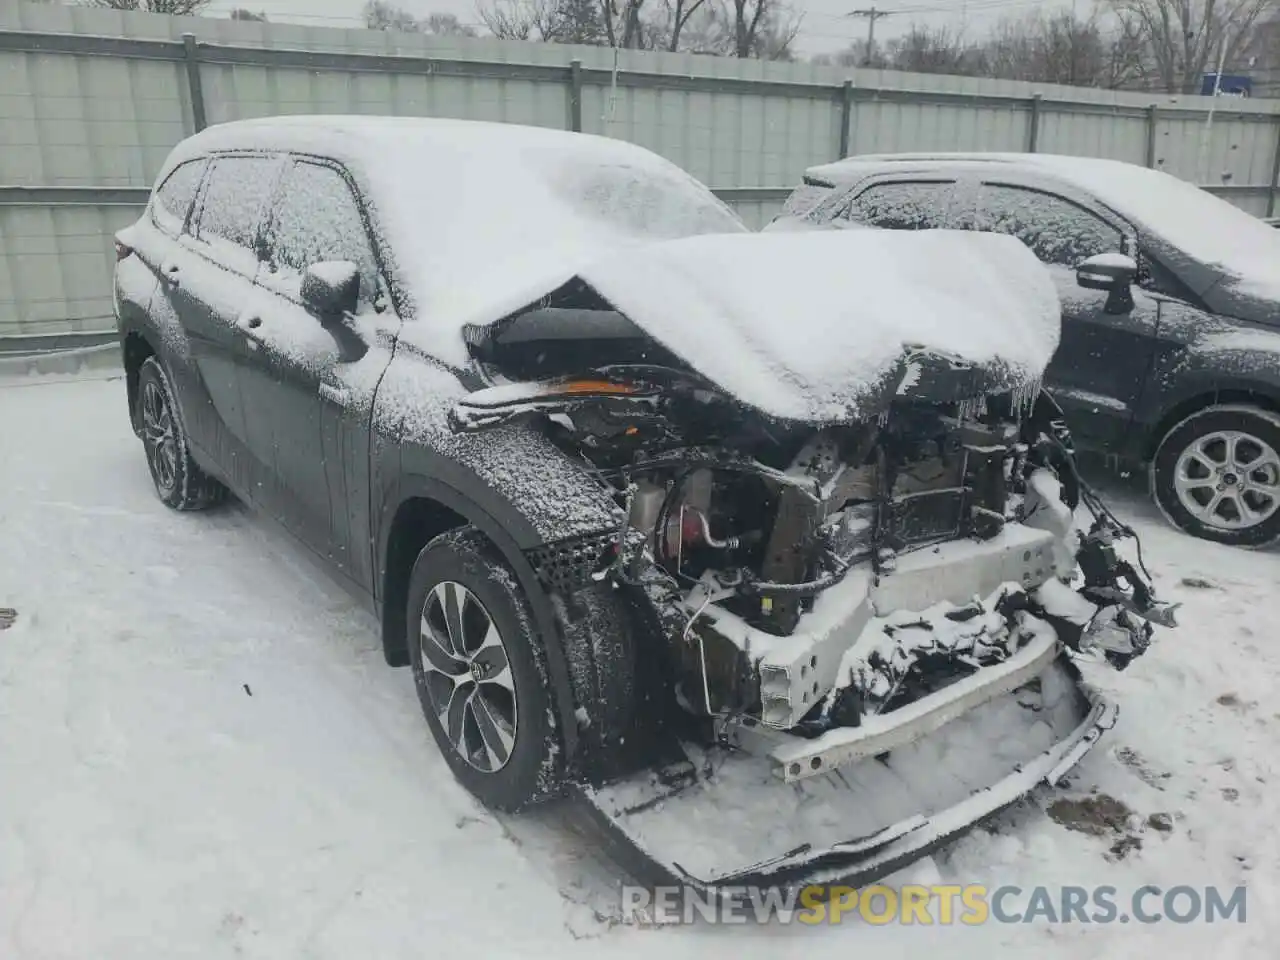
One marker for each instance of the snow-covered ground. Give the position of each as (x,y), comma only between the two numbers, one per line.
(202,754)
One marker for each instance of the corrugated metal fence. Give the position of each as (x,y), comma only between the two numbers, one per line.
(92,100)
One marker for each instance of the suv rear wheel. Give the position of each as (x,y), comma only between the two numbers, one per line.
(1216,475)
(180,483)
(480,670)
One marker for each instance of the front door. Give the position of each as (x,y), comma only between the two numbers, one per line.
(1103,358)
(301,378)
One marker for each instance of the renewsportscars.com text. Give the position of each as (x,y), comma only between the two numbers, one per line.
(940,904)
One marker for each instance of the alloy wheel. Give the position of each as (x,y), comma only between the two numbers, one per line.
(160,436)
(1228,480)
(468,676)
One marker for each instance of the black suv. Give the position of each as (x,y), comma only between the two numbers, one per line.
(1170,350)
(528,394)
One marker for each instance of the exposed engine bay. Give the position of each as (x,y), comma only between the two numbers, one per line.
(830,594)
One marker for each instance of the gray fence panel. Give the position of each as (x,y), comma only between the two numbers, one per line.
(91,102)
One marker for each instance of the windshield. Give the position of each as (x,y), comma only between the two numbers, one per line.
(642,202)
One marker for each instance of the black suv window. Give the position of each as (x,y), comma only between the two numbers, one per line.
(317,218)
(901,205)
(1057,230)
(238,189)
(804,198)
(173,199)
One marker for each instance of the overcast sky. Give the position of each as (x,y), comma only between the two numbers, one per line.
(826,27)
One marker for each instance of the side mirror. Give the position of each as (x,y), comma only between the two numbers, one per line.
(1107,271)
(331,289)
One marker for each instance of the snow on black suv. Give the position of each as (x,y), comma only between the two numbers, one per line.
(656,508)
(1170,352)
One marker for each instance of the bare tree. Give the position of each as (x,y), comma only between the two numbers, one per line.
(925,50)
(381,15)
(179,8)
(678,14)
(748,17)
(1060,48)
(1185,38)
(446,25)
(623,24)
(521,19)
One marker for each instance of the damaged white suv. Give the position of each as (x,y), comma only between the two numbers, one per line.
(761,546)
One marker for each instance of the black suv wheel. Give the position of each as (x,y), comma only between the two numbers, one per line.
(1216,475)
(481,673)
(180,482)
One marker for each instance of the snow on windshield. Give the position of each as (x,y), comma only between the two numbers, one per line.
(660,205)
(1204,227)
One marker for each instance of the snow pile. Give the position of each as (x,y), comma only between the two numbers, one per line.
(803,324)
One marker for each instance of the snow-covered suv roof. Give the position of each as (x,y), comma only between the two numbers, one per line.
(1201,227)
(478,219)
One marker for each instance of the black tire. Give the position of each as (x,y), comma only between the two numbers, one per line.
(180,483)
(532,768)
(1256,430)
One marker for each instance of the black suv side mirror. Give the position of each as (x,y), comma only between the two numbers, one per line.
(1112,272)
(331,288)
(1106,271)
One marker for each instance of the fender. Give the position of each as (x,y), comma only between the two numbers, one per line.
(134,287)
(1223,365)
(507,529)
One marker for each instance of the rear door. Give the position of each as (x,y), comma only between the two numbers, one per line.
(1103,358)
(916,201)
(300,379)
(214,284)
(169,211)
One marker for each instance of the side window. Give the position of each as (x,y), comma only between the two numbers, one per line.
(172,201)
(1057,230)
(901,205)
(803,199)
(234,197)
(316,219)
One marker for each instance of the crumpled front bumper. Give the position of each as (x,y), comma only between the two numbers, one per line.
(727,821)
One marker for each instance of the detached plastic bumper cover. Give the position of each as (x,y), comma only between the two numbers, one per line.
(745,826)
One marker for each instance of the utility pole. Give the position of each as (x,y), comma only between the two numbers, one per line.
(872,14)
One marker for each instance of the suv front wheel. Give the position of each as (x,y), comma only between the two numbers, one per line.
(1216,475)
(480,670)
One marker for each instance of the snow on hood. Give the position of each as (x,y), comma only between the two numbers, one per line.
(806,325)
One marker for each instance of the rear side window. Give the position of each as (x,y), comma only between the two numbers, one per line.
(901,205)
(172,201)
(803,199)
(238,189)
(317,218)
(1057,230)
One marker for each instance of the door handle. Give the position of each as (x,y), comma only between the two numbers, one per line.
(171,274)
(338,395)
